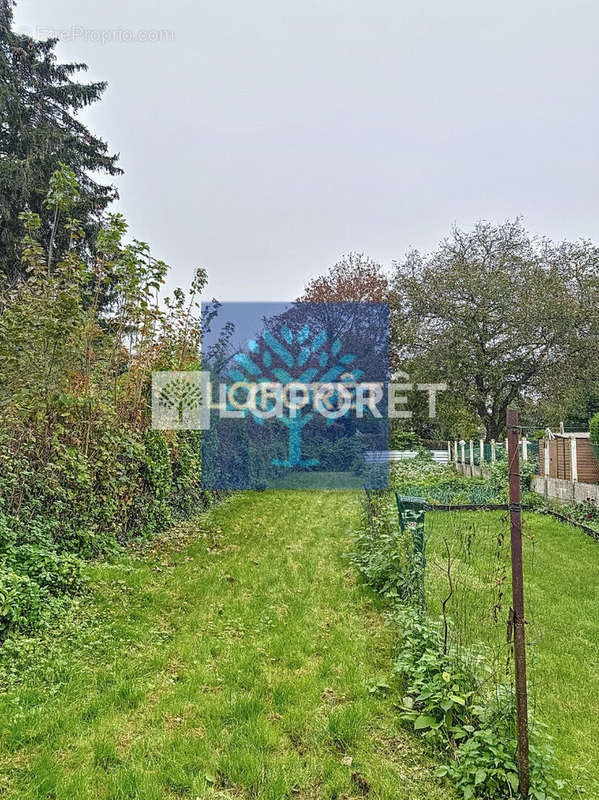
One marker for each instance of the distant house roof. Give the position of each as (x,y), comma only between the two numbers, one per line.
(571,435)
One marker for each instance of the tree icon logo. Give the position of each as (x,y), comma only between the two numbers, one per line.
(176,400)
(294,359)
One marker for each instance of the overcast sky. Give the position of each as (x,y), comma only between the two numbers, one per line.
(263,139)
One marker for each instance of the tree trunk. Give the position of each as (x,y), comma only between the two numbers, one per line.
(494,423)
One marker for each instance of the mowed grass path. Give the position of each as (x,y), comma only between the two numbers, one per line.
(237,659)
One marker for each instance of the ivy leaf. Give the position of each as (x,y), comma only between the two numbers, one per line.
(513,780)
(480,776)
(457,699)
(424,721)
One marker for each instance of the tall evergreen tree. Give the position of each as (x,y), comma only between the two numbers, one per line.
(39,100)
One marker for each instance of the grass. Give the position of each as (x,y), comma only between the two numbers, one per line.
(319,480)
(562,599)
(238,658)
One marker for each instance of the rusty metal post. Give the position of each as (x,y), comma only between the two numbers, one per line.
(518,600)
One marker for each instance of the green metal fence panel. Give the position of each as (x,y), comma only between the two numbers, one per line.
(411,512)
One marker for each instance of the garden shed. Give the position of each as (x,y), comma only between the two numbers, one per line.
(568,456)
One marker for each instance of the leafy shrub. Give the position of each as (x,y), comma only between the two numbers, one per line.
(404,440)
(59,574)
(157,464)
(383,554)
(533,500)
(439,483)
(344,454)
(439,688)
(8,537)
(81,473)
(447,703)
(585,513)
(485,763)
(499,475)
(421,471)
(187,495)
(446,696)
(75,506)
(20,601)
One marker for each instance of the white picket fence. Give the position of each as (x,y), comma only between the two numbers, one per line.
(384,456)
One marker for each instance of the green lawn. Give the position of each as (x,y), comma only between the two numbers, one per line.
(237,659)
(319,480)
(562,610)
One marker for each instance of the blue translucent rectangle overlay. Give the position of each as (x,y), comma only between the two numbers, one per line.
(295,395)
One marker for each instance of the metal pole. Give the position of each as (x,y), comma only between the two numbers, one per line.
(518,600)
